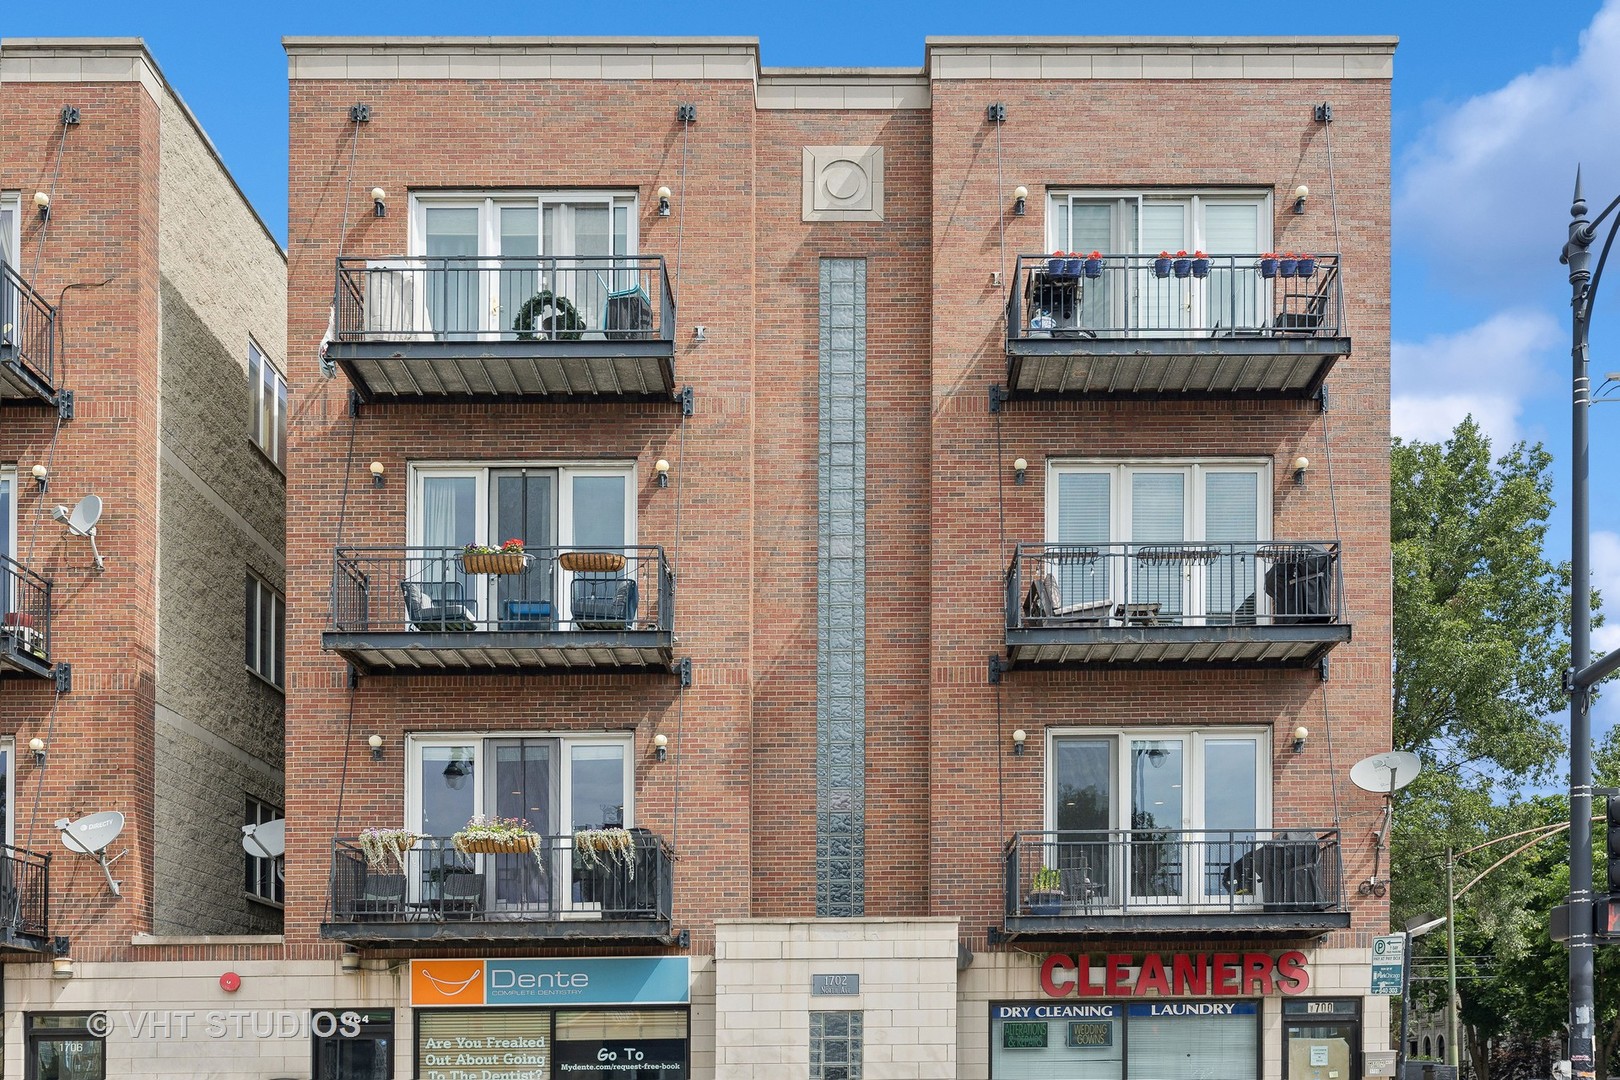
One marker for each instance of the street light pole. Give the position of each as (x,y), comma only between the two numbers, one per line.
(1451,963)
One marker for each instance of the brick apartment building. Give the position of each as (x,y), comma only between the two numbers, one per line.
(904,672)
(142,336)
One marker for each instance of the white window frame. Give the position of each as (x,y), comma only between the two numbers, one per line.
(488,202)
(482,471)
(8,523)
(266,380)
(269,668)
(12,200)
(1196,469)
(257,865)
(8,748)
(1194,198)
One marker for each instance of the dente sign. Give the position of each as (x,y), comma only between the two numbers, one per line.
(1182,974)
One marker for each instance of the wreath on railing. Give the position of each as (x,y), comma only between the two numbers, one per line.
(549,315)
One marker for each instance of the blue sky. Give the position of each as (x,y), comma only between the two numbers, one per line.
(1494,102)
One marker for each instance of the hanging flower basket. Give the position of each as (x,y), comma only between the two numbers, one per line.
(1200,265)
(496,836)
(1094,265)
(591,562)
(1268,265)
(509,558)
(1306,266)
(598,847)
(1288,265)
(383,847)
(1182,264)
(1161,265)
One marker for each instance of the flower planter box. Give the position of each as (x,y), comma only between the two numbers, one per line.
(501,562)
(591,562)
(516,845)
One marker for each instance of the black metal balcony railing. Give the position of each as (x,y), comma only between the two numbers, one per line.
(1159,871)
(1135,325)
(24,898)
(505,298)
(1264,583)
(439,590)
(27,339)
(25,618)
(436,884)
(1146,296)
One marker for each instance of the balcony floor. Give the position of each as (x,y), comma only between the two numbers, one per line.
(1247,923)
(485,370)
(16,660)
(19,383)
(1277,366)
(517,931)
(1294,646)
(460,652)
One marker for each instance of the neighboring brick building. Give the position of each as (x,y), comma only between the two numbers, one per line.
(851,748)
(129,317)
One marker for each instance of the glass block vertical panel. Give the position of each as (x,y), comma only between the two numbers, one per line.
(835,1045)
(841,593)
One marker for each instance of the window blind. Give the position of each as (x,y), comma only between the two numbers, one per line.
(1192,1047)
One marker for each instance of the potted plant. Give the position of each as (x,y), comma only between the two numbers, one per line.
(1045,892)
(1268,265)
(1055,265)
(1094,264)
(1161,265)
(1072,265)
(384,846)
(1183,264)
(1200,265)
(594,848)
(1288,265)
(496,836)
(509,558)
(1306,266)
(547,315)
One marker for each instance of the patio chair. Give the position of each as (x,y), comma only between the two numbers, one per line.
(438,606)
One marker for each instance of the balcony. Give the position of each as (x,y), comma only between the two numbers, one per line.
(27,342)
(1271,603)
(25,621)
(553,894)
(24,900)
(1134,326)
(426,609)
(468,328)
(1284,882)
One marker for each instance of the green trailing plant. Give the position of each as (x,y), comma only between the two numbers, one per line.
(384,846)
(1046,880)
(597,847)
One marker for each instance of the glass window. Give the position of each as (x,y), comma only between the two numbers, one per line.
(835,1045)
(262,877)
(61,1047)
(265,627)
(267,405)
(353,1044)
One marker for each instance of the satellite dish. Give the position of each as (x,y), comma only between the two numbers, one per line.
(1386,772)
(90,836)
(267,840)
(82,522)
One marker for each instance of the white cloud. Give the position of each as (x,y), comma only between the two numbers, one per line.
(1486,370)
(1486,189)
(1606,578)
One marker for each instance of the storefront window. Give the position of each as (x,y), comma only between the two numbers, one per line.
(61,1047)
(1159,1040)
(1321,1039)
(353,1044)
(524,1044)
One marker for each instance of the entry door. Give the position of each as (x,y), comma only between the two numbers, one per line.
(588,233)
(523,506)
(595,513)
(1158,807)
(523,784)
(1166,303)
(1158,528)
(1083,815)
(455,290)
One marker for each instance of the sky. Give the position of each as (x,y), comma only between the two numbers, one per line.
(1495,101)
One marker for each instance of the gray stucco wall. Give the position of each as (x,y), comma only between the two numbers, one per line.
(222,511)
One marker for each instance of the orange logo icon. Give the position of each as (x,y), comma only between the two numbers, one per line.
(447,982)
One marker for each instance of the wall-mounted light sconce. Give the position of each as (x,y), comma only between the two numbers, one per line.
(1301,733)
(62,964)
(1301,464)
(1018,742)
(350,963)
(379,202)
(42,476)
(700,333)
(377,474)
(661,467)
(1020,200)
(660,746)
(37,745)
(375,742)
(43,202)
(663,202)
(1301,193)
(1020,470)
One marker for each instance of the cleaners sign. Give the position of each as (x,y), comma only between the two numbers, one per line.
(1178,975)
